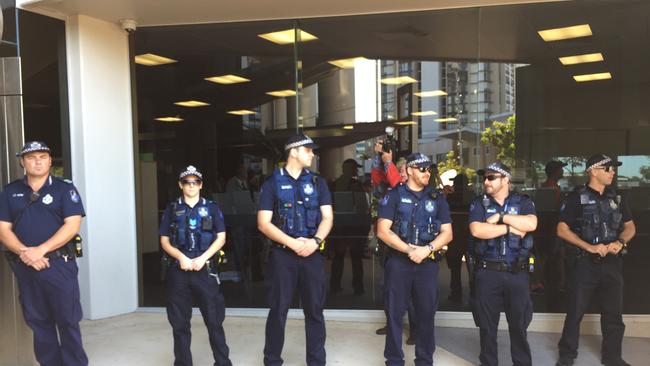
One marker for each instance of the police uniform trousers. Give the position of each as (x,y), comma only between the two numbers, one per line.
(286,272)
(52,309)
(181,287)
(406,279)
(495,292)
(605,280)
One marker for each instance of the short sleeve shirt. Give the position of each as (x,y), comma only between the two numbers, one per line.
(37,216)
(268,192)
(570,208)
(477,211)
(389,205)
(195,213)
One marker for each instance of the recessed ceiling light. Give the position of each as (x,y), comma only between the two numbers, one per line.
(282,93)
(592,77)
(192,103)
(227,79)
(559,34)
(398,80)
(348,127)
(241,112)
(406,123)
(150,59)
(447,119)
(581,59)
(287,36)
(346,63)
(424,113)
(169,119)
(431,93)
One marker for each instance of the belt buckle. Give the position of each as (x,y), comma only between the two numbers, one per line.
(65,257)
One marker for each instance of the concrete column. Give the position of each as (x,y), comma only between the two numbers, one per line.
(101,141)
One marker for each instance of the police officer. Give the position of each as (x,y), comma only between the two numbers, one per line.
(39,217)
(499,221)
(415,222)
(295,213)
(192,232)
(597,222)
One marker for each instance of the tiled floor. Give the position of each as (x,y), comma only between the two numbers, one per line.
(145,339)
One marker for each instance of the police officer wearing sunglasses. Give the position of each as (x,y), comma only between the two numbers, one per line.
(415,222)
(39,216)
(499,221)
(597,222)
(192,232)
(295,213)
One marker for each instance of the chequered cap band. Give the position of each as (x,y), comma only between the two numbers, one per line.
(306,141)
(416,162)
(190,170)
(498,170)
(597,164)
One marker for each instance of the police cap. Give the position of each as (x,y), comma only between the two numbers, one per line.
(33,146)
(300,140)
(601,160)
(190,170)
(418,160)
(496,167)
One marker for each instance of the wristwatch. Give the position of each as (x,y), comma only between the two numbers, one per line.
(623,241)
(317,240)
(432,247)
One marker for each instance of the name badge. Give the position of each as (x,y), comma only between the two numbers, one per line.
(406,200)
(286,186)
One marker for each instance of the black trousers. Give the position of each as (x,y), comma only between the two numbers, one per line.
(605,281)
(181,286)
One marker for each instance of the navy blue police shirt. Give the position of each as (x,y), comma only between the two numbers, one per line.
(43,217)
(571,206)
(193,214)
(268,192)
(477,211)
(389,205)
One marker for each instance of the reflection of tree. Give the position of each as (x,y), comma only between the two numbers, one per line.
(453,162)
(573,163)
(501,135)
(645,172)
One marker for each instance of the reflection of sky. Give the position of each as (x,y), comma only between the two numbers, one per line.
(631,165)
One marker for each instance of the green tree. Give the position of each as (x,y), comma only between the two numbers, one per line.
(645,172)
(501,135)
(453,162)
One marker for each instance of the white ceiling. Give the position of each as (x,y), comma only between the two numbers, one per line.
(168,12)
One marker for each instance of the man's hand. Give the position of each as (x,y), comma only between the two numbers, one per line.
(41,264)
(614,247)
(600,249)
(418,254)
(31,255)
(379,146)
(514,231)
(308,248)
(198,263)
(185,263)
(493,219)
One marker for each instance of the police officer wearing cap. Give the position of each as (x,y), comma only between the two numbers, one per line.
(295,213)
(192,232)
(597,222)
(415,222)
(39,216)
(499,221)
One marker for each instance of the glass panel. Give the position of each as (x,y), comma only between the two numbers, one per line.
(558,118)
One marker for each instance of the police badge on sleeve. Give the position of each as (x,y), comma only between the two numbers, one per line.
(74,196)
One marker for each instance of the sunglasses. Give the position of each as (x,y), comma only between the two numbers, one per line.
(608,168)
(492,177)
(187,182)
(423,169)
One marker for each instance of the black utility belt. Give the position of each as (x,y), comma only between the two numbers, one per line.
(284,247)
(434,256)
(596,258)
(70,250)
(502,266)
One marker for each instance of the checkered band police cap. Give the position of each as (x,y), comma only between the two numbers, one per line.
(190,170)
(418,160)
(601,160)
(496,167)
(300,140)
(33,146)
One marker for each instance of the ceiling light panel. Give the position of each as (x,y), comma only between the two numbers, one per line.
(287,36)
(192,103)
(447,119)
(169,119)
(227,79)
(241,112)
(581,59)
(592,77)
(398,80)
(282,93)
(150,59)
(560,34)
(431,93)
(424,113)
(346,63)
